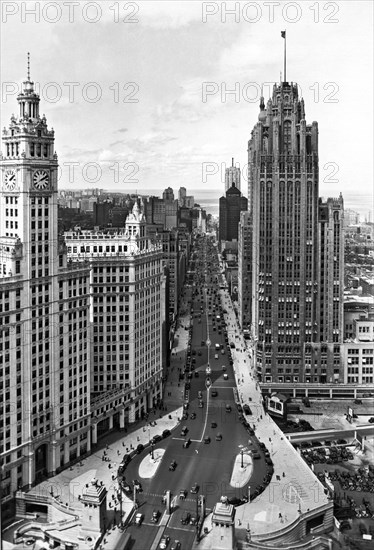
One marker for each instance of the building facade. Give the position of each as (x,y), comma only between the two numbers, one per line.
(296,248)
(245,273)
(230,207)
(127,314)
(358,351)
(44,315)
(232,176)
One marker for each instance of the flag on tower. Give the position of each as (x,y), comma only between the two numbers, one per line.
(283,34)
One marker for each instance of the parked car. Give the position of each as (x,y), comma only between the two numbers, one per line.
(247,409)
(166,433)
(156,438)
(176,545)
(139,448)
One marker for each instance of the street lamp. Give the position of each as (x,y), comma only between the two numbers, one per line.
(242,453)
(152,454)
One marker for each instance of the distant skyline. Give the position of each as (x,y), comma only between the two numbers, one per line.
(162,59)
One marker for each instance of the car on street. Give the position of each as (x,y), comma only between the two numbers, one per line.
(201,404)
(195,489)
(126,487)
(214,393)
(155,516)
(126,460)
(228,408)
(213,425)
(176,545)
(200,394)
(139,518)
(186,443)
(194,518)
(196,374)
(184,431)
(192,416)
(218,437)
(207,439)
(164,542)
(225,376)
(185,519)
(216,354)
(182,494)
(256,455)
(137,485)
(173,465)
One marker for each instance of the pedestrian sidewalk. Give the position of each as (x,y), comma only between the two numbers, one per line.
(103,463)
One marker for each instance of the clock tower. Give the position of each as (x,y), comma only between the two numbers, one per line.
(28,196)
(44,312)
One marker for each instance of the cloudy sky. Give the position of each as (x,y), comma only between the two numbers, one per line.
(138,92)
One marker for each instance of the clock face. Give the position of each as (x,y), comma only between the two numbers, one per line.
(41,179)
(10,180)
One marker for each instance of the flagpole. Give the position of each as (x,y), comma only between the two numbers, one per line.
(285,79)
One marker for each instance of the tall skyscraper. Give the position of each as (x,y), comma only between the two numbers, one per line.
(230,207)
(232,176)
(292,242)
(44,313)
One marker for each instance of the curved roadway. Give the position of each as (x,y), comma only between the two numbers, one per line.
(210,465)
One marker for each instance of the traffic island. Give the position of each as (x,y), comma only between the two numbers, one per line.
(148,466)
(242,471)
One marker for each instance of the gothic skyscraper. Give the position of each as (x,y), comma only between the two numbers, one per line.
(289,261)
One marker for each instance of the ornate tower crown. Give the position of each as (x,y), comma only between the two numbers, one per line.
(28,100)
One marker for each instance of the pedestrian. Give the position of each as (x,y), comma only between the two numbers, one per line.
(284,475)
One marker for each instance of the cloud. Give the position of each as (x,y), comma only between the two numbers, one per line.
(148,142)
(119,142)
(169,15)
